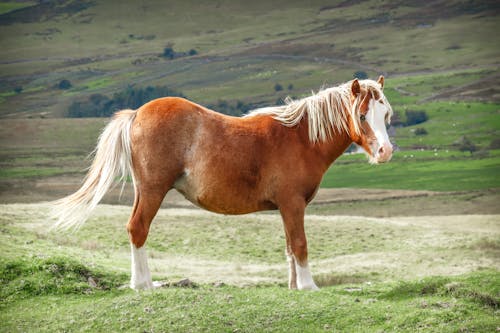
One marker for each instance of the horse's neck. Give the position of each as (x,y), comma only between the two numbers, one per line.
(333,147)
(328,151)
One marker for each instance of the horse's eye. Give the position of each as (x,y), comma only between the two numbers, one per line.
(362,117)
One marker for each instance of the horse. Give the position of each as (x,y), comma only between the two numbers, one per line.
(273,158)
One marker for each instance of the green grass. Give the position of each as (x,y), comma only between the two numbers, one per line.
(397,274)
(448,121)
(404,274)
(23,172)
(430,83)
(97,53)
(67,142)
(8,6)
(431,305)
(432,170)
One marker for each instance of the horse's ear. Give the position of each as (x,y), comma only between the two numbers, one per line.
(355,88)
(381,81)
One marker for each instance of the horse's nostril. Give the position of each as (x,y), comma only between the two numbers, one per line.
(385,150)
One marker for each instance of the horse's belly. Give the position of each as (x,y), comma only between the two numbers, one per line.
(218,198)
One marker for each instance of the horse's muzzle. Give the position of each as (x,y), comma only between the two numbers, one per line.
(384,153)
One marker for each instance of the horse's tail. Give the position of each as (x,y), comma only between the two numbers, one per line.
(112,158)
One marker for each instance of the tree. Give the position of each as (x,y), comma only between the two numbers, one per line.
(168,52)
(396,120)
(98,105)
(360,75)
(232,109)
(64,84)
(421,131)
(278,87)
(465,144)
(415,117)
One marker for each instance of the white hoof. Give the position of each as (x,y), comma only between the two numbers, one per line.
(310,287)
(304,278)
(148,285)
(143,285)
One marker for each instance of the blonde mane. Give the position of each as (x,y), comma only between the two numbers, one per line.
(327,111)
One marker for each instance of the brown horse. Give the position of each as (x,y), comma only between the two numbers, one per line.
(273,158)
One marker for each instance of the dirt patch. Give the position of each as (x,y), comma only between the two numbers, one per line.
(332,195)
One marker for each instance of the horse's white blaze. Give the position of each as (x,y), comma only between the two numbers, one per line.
(304,277)
(141,277)
(376,115)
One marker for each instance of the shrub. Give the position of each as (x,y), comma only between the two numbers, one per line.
(168,52)
(415,117)
(278,87)
(464,144)
(64,84)
(421,131)
(396,120)
(98,105)
(234,109)
(495,143)
(362,75)
(133,97)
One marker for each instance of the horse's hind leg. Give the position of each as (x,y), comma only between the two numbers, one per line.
(146,206)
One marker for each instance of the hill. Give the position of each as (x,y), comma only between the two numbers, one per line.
(415,249)
(242,49)
(437,56)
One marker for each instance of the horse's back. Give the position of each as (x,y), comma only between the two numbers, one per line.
(215,160)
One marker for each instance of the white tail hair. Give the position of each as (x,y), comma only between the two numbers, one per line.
(112,158)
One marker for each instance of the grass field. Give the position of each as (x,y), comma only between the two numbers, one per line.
(437,274)
(243,50)
(431,170)
(242,54)
(408,246)
(38,148)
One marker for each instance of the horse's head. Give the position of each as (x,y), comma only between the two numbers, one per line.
(372,112)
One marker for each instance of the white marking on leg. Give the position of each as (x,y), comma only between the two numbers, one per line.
(292,274)
(141,277)
(304,277)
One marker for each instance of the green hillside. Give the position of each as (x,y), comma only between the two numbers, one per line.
(438,58)
(386,260)
(242,49)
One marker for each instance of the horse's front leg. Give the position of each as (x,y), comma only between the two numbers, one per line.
(296,250)
(292,272)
